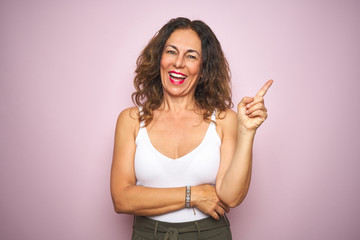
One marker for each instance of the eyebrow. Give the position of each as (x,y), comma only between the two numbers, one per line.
(189,50)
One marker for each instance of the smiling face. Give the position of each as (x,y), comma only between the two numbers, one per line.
(180,64)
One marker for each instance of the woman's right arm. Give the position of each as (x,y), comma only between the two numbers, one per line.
(127,196)
(137,200)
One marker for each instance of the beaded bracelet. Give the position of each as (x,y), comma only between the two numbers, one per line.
(188,197)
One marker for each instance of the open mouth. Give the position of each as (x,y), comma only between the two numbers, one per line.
(177,78)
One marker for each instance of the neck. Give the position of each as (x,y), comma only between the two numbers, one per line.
(176,104)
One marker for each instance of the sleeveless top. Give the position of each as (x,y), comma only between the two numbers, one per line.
(200,166)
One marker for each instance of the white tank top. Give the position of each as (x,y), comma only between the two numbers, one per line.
(200,166)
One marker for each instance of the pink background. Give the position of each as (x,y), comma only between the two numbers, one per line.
(66,70)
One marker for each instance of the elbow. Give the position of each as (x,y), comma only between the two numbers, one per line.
(232,197)
(121,207)
(123,202)
(118,208)
(233,202)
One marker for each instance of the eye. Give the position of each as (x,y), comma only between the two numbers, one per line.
(170,52)
(191,57)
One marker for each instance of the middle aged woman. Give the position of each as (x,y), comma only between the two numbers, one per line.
(182,158)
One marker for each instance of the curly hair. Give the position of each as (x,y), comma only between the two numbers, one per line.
(213,90)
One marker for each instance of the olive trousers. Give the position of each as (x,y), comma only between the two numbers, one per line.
(207,229)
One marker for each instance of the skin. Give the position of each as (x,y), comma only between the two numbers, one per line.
(179,123)
(182,54)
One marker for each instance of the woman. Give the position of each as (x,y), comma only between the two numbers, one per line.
(182,158)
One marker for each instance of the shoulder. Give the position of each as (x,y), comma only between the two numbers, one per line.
(128,121)
(129,114)
(226,122)
(226,117)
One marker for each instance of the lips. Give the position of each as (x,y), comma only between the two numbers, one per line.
(177,77)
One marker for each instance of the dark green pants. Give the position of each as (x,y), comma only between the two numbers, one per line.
(145,229)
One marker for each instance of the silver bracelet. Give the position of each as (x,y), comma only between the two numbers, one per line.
(188,197)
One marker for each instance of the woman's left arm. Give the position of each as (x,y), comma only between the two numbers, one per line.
(238,132)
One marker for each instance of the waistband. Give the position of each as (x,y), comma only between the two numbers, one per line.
(172,230)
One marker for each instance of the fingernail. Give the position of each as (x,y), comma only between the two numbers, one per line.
(247,106)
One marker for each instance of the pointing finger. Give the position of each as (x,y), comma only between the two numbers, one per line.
(265,88)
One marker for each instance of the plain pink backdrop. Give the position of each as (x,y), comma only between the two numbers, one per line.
(66,70)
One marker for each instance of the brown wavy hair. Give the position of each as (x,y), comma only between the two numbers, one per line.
(213,90)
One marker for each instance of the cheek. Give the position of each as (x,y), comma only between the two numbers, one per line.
(164,66)
(162,63)
(195,70)
(165,61)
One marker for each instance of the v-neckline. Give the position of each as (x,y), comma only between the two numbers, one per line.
(184,156)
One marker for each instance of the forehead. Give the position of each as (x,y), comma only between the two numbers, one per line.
(185,39)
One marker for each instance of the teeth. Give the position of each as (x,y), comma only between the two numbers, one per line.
(175,75)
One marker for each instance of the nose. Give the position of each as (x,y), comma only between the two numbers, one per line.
(179,61)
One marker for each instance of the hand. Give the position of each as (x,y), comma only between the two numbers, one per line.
(252,111)
(204,198)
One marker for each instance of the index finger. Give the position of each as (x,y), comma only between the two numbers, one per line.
(265,88)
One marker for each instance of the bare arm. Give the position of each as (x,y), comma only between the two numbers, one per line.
(137,200)
(127,197)
(238,132)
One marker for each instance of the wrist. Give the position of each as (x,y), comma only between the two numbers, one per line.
(193,199)
(242,130)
